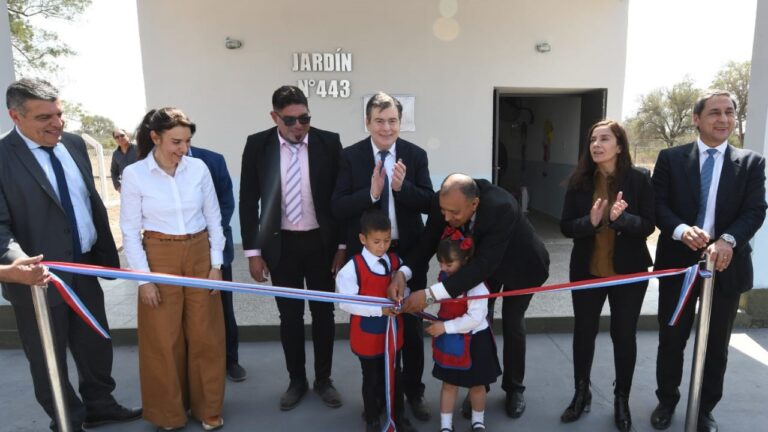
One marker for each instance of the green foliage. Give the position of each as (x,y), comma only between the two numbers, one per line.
(665,115)
(99,127)
(34,47)
(734,78)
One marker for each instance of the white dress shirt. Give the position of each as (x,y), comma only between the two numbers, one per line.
(78,192)
(389,166)
(346,283)
(184,203)
(709,215)
(474,319)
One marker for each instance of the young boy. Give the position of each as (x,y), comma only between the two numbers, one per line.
(368,273)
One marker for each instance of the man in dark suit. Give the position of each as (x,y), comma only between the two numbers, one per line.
(390,173)
(49,206)
(508,256)
(710,197)
(290,170)
(223,184)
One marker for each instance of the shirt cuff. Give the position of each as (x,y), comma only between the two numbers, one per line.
(406,271)
(342,246)
(449,327)
(677,234)
(373,199)
(217,257)
(439,291)
(252,253)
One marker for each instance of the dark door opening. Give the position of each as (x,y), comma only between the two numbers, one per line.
(538,137)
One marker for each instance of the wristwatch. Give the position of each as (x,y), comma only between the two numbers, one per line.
(729,239)
(216,266)
(430,298)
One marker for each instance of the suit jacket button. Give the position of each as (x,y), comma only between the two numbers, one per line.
(276,233)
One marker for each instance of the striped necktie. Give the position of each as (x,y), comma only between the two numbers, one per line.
(293,186)
(706,182)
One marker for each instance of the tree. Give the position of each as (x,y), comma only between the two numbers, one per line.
(34,47)
(99,127)
(734,78)
(665,114)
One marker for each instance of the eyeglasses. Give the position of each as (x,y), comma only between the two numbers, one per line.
(291,120)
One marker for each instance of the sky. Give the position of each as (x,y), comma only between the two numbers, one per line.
(667,41)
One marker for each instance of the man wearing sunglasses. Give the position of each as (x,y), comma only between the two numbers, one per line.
(124,155)
(290,170)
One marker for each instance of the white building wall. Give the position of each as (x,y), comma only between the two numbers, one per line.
(395,49)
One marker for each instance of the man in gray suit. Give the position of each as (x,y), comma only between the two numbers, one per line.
(49,206)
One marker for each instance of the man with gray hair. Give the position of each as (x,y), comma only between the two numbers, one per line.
(387,172)
(49,206)
(508,256)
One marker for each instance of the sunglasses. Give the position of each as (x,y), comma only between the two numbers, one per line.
(291,120)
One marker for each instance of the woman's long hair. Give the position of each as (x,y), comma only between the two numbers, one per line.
(582,177)
(159,121)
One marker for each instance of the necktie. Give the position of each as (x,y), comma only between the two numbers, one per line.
(293,186)
(384,199)
(383,262)
(706,182)
(65,199)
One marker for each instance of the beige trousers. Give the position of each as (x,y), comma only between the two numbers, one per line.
(181,342)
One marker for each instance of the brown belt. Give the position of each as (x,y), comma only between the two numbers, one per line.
(173,237)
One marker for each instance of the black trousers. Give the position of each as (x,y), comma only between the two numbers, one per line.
(413,341)
(513,326)
(303,258)
(91,352)
(374,389)
(230,324)
(672,340)
(625,302)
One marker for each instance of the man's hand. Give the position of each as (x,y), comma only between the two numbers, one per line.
(436,328)
(721,253)
(398,175)
(597,211)
(338,260)
(25,271)
(377,180)
(695,238)
(214,274)
(150,295)
(416,302)
(396,287)
(258,268)
(618,207)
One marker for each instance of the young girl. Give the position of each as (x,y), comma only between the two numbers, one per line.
(463,347)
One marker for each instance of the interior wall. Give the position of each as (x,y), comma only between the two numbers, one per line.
(555,128)
(449,55)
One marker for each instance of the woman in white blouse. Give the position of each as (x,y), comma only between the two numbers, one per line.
(171,198)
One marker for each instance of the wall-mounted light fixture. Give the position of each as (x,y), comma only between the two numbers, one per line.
(232,43)
(543,47)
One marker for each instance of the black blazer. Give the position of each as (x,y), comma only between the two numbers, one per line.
(630,254)
(507,248)
(260,185)
(740,208)
(32,220)
(352,195)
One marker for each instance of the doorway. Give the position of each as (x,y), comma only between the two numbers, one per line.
(538,136)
